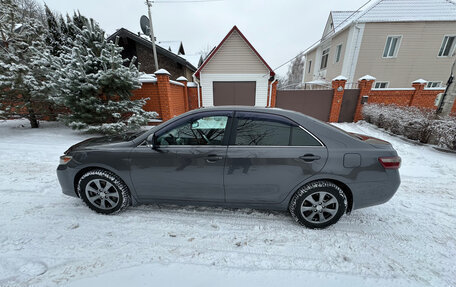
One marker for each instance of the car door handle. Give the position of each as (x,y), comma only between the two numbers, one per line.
(309,157)
(213,158)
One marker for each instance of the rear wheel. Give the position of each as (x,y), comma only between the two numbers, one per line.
(103,191)
(318,204)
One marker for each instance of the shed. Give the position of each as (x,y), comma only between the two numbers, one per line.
(234,73)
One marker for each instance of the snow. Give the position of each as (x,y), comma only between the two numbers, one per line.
(49,239)
(176,83)
(192,84)
(162,72)
(419,81)
(182,78)
(408,11)
(367,78)
(147,78)
(340,78)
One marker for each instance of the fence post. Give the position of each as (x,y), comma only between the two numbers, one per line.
(164,93)
(365,86)
(184,81)
(419,87)
(338,85)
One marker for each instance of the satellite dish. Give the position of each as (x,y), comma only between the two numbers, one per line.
(145,24)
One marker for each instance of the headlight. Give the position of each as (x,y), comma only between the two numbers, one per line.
(64,159)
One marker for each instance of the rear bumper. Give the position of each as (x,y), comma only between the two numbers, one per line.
(371,193)
(66,176)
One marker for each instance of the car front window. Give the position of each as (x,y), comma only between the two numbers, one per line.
(204,131)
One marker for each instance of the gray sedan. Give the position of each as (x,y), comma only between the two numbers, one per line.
(235,157)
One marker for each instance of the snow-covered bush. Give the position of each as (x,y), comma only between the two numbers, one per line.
(444,130)
(96,86)
(413,123)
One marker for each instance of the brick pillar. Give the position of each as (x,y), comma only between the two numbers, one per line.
(274,95)
(338,85)
(419,87)
(164,90)
(365,86)
(184,81)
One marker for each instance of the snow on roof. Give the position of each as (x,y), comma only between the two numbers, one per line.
(342,18)
(340,78)
(409,11)
(181,78)
(191,84)
(367,78)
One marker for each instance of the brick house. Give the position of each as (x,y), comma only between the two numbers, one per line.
(397,41)
(140,47)
(234,73)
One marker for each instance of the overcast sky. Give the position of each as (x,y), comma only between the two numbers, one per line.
(277,29)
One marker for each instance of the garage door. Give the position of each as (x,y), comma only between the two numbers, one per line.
(234,93)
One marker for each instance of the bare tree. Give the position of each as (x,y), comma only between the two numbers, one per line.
(31,9)
(294,75)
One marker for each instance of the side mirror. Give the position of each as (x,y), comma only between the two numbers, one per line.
(151,141)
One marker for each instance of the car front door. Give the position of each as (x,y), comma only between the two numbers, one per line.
(187,163)
(268,156)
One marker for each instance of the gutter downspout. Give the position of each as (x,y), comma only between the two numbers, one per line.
(198,90)
(352,66)
(270,93)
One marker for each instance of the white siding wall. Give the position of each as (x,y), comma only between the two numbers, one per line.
(261,90)
(235,56)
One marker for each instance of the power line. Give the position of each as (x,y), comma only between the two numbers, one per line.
(308,48)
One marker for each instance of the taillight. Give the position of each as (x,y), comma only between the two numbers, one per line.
(390,162)
(64,159)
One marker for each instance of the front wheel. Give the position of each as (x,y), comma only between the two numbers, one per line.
(103,191)
(318,204)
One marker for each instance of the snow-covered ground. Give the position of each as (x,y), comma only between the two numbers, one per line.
(48,239)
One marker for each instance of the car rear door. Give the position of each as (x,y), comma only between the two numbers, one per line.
(268,156)
(188,163)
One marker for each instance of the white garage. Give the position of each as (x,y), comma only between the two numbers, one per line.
(235,74)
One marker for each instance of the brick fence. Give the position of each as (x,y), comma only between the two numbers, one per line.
(417,96)
(167,97)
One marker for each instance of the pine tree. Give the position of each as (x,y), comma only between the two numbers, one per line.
(54,39)
(25,66)
(96,85)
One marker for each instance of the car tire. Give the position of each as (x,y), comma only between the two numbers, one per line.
(318,204)
(103,191)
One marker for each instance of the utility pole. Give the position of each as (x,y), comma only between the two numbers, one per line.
(449,96)
(151,29)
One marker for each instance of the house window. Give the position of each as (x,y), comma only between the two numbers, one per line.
(447,46)
(433,84)
(338,52)
(310,66)
(324,59)
(392,46)
(381,85)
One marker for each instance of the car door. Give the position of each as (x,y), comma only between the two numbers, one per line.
(187,163)
(268,156)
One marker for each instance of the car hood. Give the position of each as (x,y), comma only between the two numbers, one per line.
(105,141)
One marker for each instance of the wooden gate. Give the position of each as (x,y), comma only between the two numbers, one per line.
(314,103)
(348,108)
